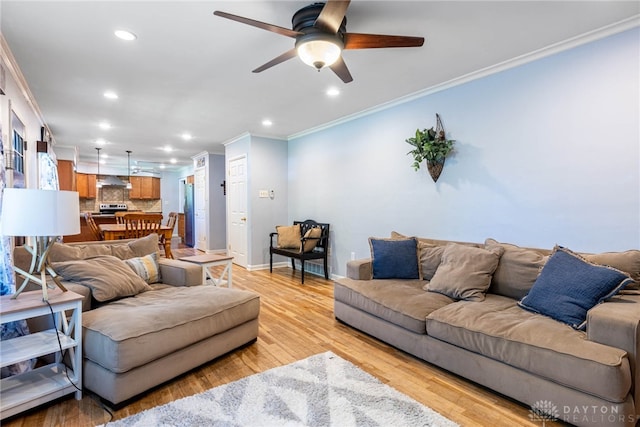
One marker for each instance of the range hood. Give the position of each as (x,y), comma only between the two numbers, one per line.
(113,181)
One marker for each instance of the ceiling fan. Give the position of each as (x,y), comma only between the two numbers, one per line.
(320,31)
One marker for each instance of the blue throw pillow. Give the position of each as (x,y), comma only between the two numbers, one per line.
(568,286)
(394,259)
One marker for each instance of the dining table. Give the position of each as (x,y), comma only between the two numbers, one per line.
(119,231)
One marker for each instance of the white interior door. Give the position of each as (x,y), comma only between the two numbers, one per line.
(237,202)
(200,208)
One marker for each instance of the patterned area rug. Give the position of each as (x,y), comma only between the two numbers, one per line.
(322,390)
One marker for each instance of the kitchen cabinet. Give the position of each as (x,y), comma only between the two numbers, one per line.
(66,175)
(86,184)
(144,187)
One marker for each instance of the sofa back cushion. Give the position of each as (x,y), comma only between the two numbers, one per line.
(120,249)
(517,270)
(519,267)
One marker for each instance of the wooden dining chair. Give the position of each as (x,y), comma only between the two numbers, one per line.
(120,217)
(171,223)
(95,230)
(141,225)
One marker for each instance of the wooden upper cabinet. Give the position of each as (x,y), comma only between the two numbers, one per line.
(86,186)
(66,175)
(144,187)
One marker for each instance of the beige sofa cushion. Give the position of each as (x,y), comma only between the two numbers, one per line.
(517,270)
(131,332)
(497,328)
(401,302)
(123,250)
(107,276)
(465,272)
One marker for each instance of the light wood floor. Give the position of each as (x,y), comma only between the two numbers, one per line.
(297,322)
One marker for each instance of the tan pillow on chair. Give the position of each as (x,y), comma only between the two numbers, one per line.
(311,243)
(288,236)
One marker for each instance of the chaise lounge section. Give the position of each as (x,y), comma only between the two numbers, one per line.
(137,335)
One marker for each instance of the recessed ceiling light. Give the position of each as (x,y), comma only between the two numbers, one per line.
(104,125)
(173,161)
(332,92)
(186,136)
(125,35)
(100,141)
(168,149)
(110,95)
(267,122)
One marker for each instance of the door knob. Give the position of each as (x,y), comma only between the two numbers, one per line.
(244,218)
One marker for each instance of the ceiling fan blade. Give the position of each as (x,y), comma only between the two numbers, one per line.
(263,25)
(340,68)
(331,16)
(372,41)
(275,61)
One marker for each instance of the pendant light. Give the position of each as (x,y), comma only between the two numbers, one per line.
(129,186)
(98,180)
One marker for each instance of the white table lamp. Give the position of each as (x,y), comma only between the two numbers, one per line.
(45,215)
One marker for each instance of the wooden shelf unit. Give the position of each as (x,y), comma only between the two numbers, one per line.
(29,389)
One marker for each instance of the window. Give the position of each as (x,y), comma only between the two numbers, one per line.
(18,152)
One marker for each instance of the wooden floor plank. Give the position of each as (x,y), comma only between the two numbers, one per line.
(296,322)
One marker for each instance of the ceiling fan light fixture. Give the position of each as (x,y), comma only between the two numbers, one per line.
(319,51)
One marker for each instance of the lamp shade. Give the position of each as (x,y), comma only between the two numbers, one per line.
(29,212)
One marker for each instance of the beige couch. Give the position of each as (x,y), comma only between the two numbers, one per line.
(582,377)
(159,331)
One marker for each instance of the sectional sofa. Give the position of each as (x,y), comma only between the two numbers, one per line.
(146,319)
(509,318)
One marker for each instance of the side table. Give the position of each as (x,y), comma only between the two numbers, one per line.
(32,388)
(211,260)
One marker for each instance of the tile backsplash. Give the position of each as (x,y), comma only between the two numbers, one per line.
(119,195)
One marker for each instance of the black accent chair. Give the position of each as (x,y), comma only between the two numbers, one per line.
(320,250)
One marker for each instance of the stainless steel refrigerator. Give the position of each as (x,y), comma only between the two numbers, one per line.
(189,216)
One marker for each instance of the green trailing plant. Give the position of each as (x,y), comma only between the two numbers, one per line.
(430,145)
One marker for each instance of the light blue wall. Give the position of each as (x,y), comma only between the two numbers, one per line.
(547,152)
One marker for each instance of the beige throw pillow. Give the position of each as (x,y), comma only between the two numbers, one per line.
(465,272)
(311,243)
(288,236)
(108,277)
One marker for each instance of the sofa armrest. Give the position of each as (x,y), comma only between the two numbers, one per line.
(616,323)
(359,269)
(180,273)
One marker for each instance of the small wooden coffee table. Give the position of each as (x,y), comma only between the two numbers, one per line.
(211,260)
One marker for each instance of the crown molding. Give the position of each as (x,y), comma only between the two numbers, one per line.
(9,61)
(591,36)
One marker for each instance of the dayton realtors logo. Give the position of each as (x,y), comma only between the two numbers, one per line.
(546,410)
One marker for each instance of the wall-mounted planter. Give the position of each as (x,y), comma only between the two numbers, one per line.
(431,145)
(435,169)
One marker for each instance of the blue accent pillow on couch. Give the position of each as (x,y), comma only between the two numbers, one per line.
(394,258)
(568,286)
